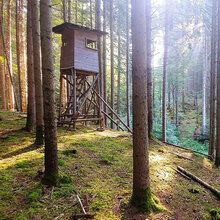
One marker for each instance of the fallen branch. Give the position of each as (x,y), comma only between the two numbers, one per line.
(180,156)
(195,178)
(173,145)
(182,174)
(80,202)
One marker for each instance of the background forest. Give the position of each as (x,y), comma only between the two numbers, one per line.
(188,29)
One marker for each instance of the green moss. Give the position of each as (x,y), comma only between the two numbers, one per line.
(215,213)
(145,201)
(51,179)
(65,179)
(61,163)
(33,197)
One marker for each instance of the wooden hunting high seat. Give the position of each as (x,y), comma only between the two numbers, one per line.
(79,75)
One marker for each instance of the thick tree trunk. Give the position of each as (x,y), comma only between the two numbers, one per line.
(112,62)
(22,58)
(50,129)
(217,159)
(31,114)
(69,11)
(204,83)
(127,65)
(149,70)
(141,179)
(104,60)
(164,117)
(37,72)
(212,81)
(2,70)
(9,56)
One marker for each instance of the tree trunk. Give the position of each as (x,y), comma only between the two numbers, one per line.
(22,58)
(9,56)
(18,54)
(50,129)
(69,10)
(64,11)
(176,102)
(31,114)
(204,83)
(127,64)
(212,81)
(119,69)
(164,117)
(2,70)
(169,97)
(141,180)
(217,159)
(76,11)
(90,6)
(104,60)
(112,63)
(149,70)
(37,72)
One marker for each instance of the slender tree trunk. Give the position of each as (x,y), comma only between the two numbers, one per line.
(22,56)
(18,54)
(176,101)
(164,117)
(64,11)
(149,70)
(2,70)
(37,72)
(127,64)
(69,10)
(76,11)
(50,128)
(9,56)
(119,69)
(31,114)
(212,81)
(98,27)
(169,97)
(217,159)
(104,60)
(183,96)
(204,84)
(141,179)
(90,6)
(112,62)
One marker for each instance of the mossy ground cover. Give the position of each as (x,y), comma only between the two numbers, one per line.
(98,166)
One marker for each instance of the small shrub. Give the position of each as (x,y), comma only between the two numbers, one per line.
(61,163)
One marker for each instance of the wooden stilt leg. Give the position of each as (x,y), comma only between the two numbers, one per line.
(74,96)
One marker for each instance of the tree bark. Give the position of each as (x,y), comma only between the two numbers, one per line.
(69,11)
(141,179)
(64,11)
(2,70)
(217,159)
(164,114)
(149,70)
(31,114)
(18,47)
(9,56)
(22,58)
(50,129)
(104,60)
(112,62)
(127,65)
(204,83)
(212,81)
(37,72)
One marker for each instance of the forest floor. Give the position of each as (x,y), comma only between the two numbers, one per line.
(98,166)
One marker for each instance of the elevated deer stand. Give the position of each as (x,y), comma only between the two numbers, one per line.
(80,75)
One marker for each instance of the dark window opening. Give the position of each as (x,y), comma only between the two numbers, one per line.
(92,44)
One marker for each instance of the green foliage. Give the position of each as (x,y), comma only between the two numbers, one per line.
(61,163)
(66,179)
(172,131)
(33,197)
(215,213)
